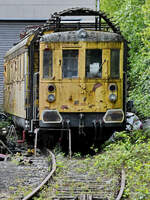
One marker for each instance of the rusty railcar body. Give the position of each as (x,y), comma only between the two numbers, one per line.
(68,75)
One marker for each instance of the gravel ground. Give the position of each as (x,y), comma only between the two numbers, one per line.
(21,175)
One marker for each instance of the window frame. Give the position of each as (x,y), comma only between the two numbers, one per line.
(77,62)
(111,72)
(50,76)
(101,64)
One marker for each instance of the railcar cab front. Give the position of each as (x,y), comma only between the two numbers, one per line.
(81,79)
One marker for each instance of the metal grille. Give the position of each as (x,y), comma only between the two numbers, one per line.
(51,116)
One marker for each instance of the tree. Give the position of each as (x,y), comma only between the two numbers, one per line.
(133,17)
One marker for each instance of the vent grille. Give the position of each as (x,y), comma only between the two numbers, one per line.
(51,116)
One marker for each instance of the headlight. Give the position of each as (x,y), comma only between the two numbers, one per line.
(51,98)
(112,87)
(112,98)
(51,88)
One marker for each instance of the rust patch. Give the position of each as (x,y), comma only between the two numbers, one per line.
(84,99)
(83,104)
(64,107)
(47,108)
(97,85)
(76,102)
(92,105)
(70,98)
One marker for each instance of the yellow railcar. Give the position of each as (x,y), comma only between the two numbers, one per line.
(68,75)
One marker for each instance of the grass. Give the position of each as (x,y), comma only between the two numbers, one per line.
(131,151)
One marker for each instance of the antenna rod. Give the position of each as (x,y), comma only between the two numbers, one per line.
(98,19)
(97,5)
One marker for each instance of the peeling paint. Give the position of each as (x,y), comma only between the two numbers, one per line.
(84,99)
(97,85)
(76,102)
(70,98)
(46,108)
(92,105)
(64,107)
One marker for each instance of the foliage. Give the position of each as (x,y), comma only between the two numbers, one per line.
(111,6)
(131,151)
(133,17)
(4,124)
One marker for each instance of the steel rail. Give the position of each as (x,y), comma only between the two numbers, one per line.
(29,196)
(122,185)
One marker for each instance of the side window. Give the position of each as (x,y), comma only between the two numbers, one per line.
(93,63)
(20,65)
(70,64)
(14,77)
(47,63)
(8,72)
(23,66)
(115,63)
(11,73)
(17,63)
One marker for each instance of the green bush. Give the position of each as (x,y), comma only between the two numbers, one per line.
(4,124)
(133,17)
(130,151)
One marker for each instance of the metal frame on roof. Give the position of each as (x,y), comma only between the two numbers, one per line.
(57,24)
(56,18)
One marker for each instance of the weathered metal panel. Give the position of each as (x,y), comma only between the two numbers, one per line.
(10,34)
(17,47)
(15,86)
(81,35)
(80,94)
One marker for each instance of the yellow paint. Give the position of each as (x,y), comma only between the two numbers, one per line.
(78,95)
(48,32)
(72,95)
(30,39)
(14,89)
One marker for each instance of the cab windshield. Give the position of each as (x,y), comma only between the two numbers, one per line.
(93,63)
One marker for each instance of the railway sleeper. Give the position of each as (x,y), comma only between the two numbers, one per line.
(81,197)
(78,189)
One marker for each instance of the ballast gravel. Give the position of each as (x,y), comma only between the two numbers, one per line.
(21,175)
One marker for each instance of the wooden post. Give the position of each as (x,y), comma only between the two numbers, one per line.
(70,153)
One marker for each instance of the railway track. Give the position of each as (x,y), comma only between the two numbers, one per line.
(75,178)
(46,179)
(22,175)
(79,179)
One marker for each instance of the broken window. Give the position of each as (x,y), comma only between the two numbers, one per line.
(70,64)
(93,63)
(115,63)
(47,63)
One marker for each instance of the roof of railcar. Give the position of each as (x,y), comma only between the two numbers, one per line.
(81,35)
(20,45)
